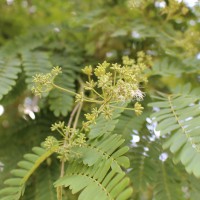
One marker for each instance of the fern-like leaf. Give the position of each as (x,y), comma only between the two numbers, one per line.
(44,188)
(35,63)
(108,147)
(97,182)
(167,66)
(15,186)
(128,122)
(167,187)
(9,69)
(142,154)
(103,126)
(62,102)
(178,118)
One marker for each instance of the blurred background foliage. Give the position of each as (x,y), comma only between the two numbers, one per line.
(36,35)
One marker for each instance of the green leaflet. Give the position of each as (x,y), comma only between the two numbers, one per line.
(98,182)
(9,70)
(108,147)
(167,66)
(143,172)
(35,63)
(128,122)
(194,187)
(103,126)
(166,187)
(14,188)
(44,187)
(181,124)
(61,102)
(17,90)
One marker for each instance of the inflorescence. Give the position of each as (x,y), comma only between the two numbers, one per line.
(72,138)
(114,84)
(109,87)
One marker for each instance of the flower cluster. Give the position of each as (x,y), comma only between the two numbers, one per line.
(111,84)
(43,83)
(171,9)
(72,137)
(189,40)
(51,142)
(174,8)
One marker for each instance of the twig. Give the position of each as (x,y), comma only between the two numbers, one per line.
(77,115)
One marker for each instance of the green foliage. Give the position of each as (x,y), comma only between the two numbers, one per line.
(57,99)
(102,149)
(97,155)
(34,63)
(128,123)
(9,70)
(96,181)
(16,185)
(44,187)
(103,125)
(166,186)
(179,117)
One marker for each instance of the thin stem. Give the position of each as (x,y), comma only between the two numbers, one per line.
(77,115)
(63,89)
(63,162)
(92,100)
(73,113)
(89,99)
(118,101)
(97,93)
(89,78)
(74,93)
(114,77)
(61,133)
(59,192)
(122,107)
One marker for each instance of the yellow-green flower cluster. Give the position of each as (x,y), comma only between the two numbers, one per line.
(43,83)
(51,142)
(138,108)
(72,137)
(114,83)
(174,8)
(189,41)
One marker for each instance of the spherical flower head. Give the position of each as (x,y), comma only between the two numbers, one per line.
(138,108)
(56,70)
(107,112)
(43,82)
(116,67)
(90,85)
(105,80)
(91,117)
(85,126)
(101,69)
(87,70)
(127,61)
(50,142)
(56,126)
(80,140)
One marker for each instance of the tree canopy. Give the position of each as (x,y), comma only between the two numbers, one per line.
(118,80)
